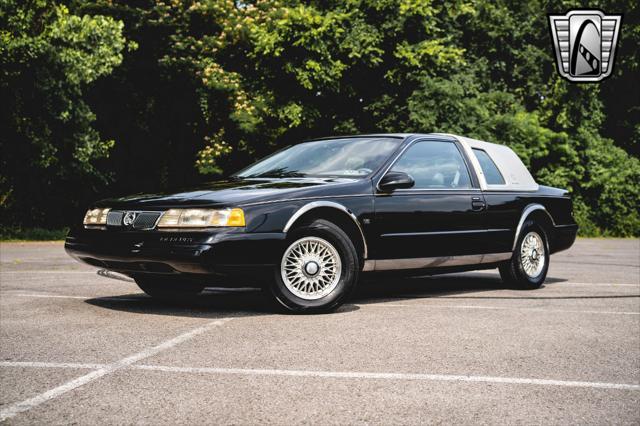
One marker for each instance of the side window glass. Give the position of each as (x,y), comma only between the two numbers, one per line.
(434,165)
(491,173)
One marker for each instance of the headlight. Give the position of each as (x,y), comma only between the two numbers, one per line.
(96,217)
(201,218)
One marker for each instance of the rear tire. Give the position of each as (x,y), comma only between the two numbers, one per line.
(167,288)
(529,264)
(318,270)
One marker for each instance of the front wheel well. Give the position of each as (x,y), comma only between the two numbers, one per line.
(339,218)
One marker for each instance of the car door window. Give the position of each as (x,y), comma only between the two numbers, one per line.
(434,165)
(491,173)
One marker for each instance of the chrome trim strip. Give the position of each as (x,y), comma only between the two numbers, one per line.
(525,213)
(427,190)
(515,192)
(568,225)
(369,265)
(439,262)
(316,204)
(496,257)
(417,234)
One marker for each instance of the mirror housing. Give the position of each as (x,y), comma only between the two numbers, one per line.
(395,180)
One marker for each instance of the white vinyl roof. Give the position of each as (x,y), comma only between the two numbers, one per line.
(515,173)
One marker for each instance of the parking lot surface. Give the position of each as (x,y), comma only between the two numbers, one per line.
(76,347)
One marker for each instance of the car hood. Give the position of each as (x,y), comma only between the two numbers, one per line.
(237,192)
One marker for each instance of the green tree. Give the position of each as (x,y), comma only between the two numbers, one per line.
(217,83)
(48,56)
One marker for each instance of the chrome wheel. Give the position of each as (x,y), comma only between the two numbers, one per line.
(532,254)
(311,268)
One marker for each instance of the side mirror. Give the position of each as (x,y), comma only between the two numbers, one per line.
(395,180)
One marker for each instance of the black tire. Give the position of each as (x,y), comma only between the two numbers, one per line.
(513,273)
(167,288)
(350,269)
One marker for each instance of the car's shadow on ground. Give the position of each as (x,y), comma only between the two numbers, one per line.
(450,286)
(213,303)
(208,304)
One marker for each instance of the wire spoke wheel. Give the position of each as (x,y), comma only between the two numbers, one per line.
(532,255)
(311,268)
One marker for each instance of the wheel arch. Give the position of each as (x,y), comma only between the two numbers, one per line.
(335,213)
(540,214)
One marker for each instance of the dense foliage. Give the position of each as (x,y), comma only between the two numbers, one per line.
(105,97)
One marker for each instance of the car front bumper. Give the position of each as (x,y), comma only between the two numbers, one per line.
(221,252)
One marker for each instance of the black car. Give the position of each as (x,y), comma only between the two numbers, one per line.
(307,221)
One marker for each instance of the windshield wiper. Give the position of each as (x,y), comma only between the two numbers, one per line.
(278,173)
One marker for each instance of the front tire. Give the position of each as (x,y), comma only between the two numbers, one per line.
(529,264)
(167,288)
(318,269)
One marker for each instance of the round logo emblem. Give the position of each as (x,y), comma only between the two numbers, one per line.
(129,218)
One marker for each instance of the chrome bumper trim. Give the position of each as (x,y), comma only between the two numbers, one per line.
(115,275)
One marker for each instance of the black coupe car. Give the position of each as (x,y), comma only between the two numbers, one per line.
(307,221)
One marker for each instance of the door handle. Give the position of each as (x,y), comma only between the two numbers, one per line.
(477,204)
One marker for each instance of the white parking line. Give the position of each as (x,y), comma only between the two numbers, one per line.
(48,296)
(429,305)
(569,283)
(340,375)
(38,364)
(374,304)
(50,271)
(389,376)
(20,407)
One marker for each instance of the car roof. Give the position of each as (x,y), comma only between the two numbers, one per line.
(516,175)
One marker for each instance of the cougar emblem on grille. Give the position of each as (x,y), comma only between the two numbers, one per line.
(129,218)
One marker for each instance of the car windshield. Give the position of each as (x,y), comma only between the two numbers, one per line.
(347,157)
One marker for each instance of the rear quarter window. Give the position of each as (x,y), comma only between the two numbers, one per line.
(491,173)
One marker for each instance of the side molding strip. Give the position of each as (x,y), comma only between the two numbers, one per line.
(417,234)
(525,213)
(314,205)
(434,262)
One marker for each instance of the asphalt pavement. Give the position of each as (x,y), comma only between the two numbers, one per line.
(79,348)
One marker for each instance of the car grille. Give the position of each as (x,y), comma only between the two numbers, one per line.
(143,221)
(146,220)
(114,218)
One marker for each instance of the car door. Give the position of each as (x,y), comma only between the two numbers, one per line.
(441,215)
(503,207)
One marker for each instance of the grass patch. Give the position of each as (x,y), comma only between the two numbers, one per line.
(32,234)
